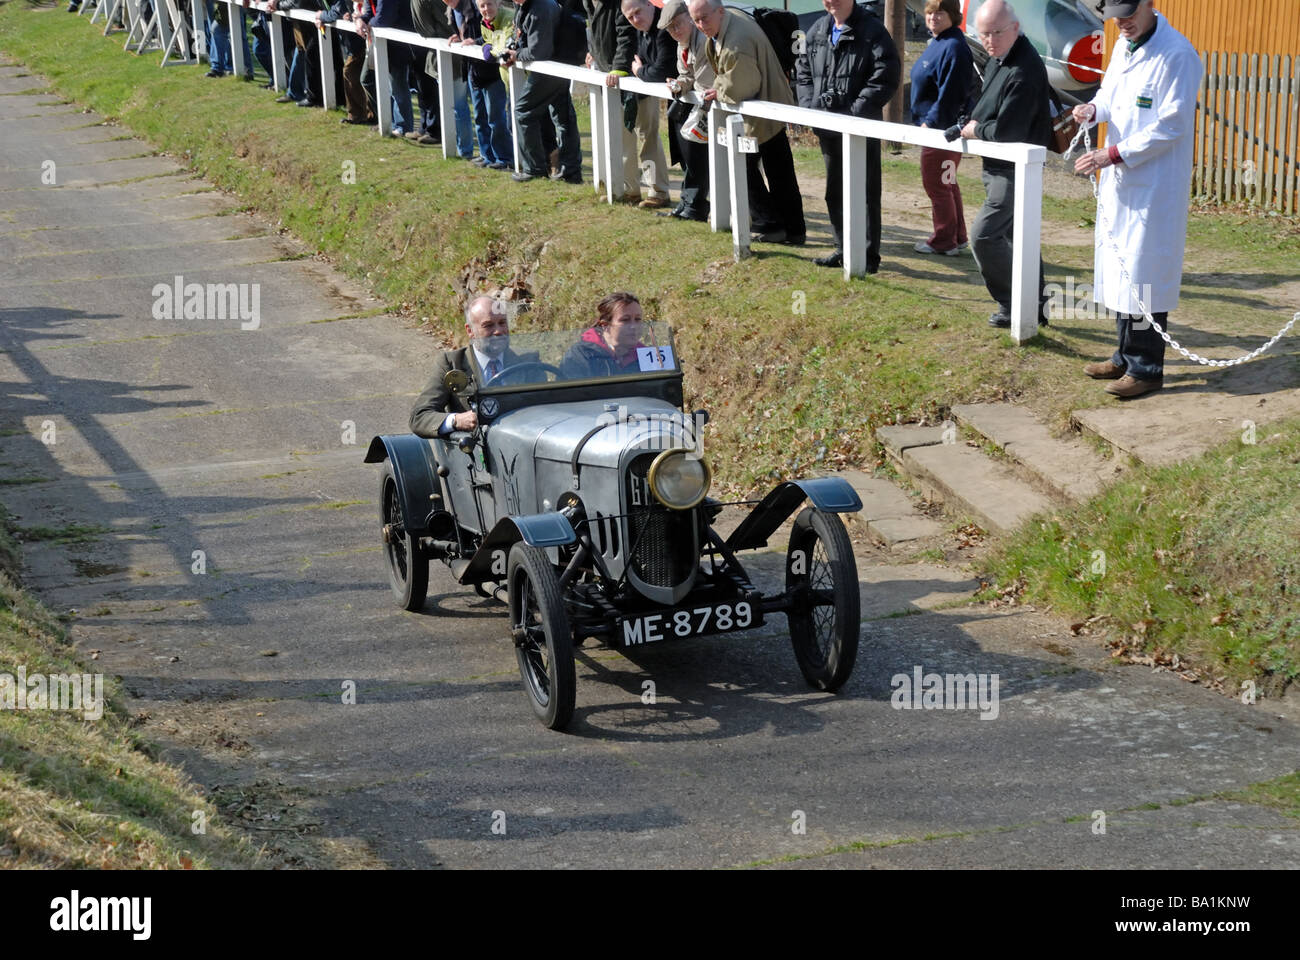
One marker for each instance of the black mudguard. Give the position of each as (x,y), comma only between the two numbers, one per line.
(828,494)
(537,530)
(415,472)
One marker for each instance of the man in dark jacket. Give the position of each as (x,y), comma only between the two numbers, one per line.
(395,14)
(687,137)
(612,38)
(611,47)
(487,88)
(438,411)
(1012,109)
(542,95)
(654,63)
(849,65)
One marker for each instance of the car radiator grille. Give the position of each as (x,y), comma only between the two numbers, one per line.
(666,549)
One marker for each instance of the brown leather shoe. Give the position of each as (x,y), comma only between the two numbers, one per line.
(1126,387)
(653,203)
(1103,370)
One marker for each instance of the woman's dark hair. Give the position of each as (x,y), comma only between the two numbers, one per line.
(950,7)
(611,302)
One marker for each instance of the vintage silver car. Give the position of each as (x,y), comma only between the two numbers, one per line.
(581,500)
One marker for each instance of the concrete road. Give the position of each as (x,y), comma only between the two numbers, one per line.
(237,588)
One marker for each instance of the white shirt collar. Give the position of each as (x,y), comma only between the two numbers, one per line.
(484,359)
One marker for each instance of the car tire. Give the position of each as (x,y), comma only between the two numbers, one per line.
(822,577)
(543,638)
(408,566)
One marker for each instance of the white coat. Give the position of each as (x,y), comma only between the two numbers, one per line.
(1149,100)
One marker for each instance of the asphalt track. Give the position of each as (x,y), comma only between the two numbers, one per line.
(185,435)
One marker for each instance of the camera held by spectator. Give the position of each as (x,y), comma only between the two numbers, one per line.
(832,99)
(953,132)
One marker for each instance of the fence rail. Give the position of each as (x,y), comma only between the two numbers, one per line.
(729,207)
(1248,131)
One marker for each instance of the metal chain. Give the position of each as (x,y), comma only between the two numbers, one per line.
(1104,223)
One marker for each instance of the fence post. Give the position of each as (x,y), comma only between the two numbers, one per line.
(446,100)
(517,76)
(611,140)
(1025,249)
(238,31)
(328,96)
(597,135)
(279,71)
(198,15)
(855,206)
(719,178)
(739,183)
(383,95)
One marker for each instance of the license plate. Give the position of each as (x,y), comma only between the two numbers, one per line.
(691,622)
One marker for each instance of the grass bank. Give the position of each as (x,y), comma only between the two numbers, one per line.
(1193,566)
(86,793)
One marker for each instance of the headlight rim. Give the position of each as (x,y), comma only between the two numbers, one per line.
(658,462)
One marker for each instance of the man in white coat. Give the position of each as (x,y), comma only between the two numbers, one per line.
(1148,97)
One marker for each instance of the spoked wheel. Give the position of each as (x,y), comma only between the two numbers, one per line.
(822,575)
(543,639)
(408,567)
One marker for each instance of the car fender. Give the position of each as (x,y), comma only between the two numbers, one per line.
(828,494)
(540,530)
(415,473)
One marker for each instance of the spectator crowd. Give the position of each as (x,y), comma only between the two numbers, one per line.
(846,64)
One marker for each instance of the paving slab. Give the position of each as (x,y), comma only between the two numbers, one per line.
(1199,409)
(897,440)
(967,481)
(889,513)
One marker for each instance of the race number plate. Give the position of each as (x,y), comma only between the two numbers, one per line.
(691,622)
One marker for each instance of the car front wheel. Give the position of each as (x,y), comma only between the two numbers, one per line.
(822,578)
(543,639)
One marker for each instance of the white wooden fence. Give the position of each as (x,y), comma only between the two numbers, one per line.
(729,208)
(1248,131)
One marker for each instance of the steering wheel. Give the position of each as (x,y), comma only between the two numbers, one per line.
(523,366)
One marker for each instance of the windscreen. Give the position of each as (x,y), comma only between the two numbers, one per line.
(513,360)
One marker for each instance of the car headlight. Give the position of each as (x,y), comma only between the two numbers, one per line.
(679,481)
